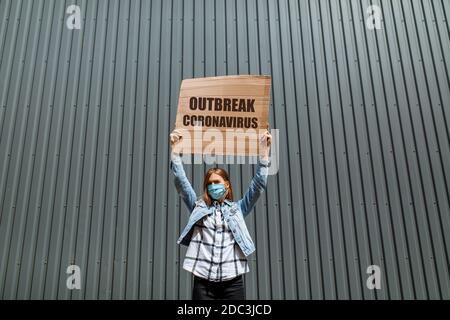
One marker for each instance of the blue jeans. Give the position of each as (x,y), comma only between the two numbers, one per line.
(233,289)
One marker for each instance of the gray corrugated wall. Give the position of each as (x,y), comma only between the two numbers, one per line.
(364,145)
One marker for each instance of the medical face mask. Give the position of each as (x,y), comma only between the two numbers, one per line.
(216,191)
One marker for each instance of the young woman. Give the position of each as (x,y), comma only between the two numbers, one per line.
(216,234)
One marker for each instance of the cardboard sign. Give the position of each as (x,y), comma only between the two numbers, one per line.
(223,115)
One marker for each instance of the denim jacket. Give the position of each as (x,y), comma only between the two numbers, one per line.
(233,212)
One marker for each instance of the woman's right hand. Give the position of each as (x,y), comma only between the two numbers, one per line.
(174,139)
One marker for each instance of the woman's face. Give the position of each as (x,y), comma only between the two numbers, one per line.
(215,178)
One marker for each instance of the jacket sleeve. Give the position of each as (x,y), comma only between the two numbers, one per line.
(182,183)
(257,186)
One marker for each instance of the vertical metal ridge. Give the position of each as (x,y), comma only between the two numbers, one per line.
(361,144)
(20,212)
(321,106)
(426,139)
(181,294)
(287,55)
(391,251)
(292,286)
(299,260)
(393,151)
(54,247)
(279,269)
(156,259)
(28,253)
(105,278)
(330,188)
(43,244)
(391,146)
(92,277)
(5,173)
(169,124)
(320,285)
(135,198)
(74,239)
(356,145)
(340,197)
(5,9)
(404,127)
(441,173)
(85,251)
(376,139)
(145,258)
(82,62)
(422,192)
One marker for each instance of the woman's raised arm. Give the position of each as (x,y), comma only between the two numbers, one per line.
(182,183)
(256,187)
(259,181)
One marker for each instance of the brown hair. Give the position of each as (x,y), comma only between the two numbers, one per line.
(224,175)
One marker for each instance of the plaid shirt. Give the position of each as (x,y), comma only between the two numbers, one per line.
(213,253)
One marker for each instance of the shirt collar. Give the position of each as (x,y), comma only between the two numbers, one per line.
(202,203)
(228,202)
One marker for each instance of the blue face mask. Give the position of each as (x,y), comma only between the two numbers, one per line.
(216,191)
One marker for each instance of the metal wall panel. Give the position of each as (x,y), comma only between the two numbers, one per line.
(363,118)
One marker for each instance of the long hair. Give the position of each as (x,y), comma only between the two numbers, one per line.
(224,175)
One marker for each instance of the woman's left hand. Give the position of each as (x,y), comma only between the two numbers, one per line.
(265,142)
(266,138)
